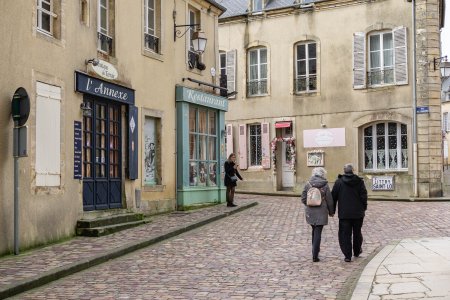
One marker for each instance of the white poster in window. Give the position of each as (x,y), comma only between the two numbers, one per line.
(319,138)
(149,151)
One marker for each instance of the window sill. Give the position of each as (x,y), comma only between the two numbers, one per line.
(152,54)
(385,171)
(48,37)
(153,188)
(255,169)
(258,96)
(306,94)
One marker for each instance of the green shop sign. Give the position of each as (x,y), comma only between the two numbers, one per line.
(184,94)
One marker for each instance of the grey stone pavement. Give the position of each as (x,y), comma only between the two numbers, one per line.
(263,252)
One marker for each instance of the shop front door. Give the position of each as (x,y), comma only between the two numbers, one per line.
(102,156)
(287,174)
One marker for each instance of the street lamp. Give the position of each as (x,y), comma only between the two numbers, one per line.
(199,41)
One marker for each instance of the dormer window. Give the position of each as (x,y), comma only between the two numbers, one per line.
(257,5)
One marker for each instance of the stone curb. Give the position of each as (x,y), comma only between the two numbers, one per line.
(364,285)
(83,264)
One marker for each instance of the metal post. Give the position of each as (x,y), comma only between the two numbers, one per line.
(16,187)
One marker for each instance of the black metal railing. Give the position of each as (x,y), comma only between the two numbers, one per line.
(151,42)
(193,58)
(105,42)
(305,84)
(377,77)
(257,87)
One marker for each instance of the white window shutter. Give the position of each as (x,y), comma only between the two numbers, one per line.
(231,71)
(265,145)
(229,139)
(359,60)
(48,136)
(242,147)
(400,55)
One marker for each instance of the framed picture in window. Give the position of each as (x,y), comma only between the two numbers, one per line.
(315,158)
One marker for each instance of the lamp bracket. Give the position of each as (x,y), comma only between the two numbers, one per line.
(177,32)
(437,61)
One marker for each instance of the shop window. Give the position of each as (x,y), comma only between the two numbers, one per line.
(385,147)
(48,135)
(152,25)
(105,26)
(203,158)
(255,149)
(152,151)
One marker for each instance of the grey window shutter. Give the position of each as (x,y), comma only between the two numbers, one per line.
(231,71)
(359,60)
(400,55)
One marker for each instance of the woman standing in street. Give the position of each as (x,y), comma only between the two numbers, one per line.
(317,216)
(231,177)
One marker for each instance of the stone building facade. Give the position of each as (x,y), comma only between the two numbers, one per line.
(101,77)
(315,90)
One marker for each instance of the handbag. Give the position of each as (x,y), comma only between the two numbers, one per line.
(234,178)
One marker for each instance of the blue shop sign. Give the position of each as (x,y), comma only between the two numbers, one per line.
(201,98)
(94,86)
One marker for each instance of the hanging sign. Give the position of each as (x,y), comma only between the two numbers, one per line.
(105,70)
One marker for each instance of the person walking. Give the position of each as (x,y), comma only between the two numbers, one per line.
(231,177)
(317,216)
(350,195)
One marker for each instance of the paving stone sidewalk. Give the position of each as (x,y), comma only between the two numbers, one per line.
(37,267)
(409,269)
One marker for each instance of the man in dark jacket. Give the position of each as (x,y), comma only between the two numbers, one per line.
(350,194)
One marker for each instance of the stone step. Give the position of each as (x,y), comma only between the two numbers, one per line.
(110,220)
(109,229)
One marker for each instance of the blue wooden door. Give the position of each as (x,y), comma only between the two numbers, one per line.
(102,157)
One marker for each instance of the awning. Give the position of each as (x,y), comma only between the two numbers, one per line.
(282,124)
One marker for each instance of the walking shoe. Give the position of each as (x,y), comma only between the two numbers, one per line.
(231,205)
(316,259)
(347,259)
(357,255)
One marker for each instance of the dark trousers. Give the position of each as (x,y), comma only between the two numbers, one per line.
(316,238)
(230,194)
(347,227)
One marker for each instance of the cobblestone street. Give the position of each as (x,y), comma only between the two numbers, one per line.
(261,253)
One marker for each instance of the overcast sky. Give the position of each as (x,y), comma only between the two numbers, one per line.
(445,35)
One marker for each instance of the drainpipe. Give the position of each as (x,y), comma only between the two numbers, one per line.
(414,103)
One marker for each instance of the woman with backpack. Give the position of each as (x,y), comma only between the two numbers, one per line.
(319,205)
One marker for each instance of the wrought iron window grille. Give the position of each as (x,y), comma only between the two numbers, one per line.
(305,84)
(257,87)
(105,42)
(380,77)
(151,42)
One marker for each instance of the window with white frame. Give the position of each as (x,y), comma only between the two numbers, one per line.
(385,146)
(152,25)
(257,72)
(45,16)
(445,121)
(203,159)
(227,65)
(380,58)
(306,67)
(105,39)
(255,149)
(194,18)
(48,135)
